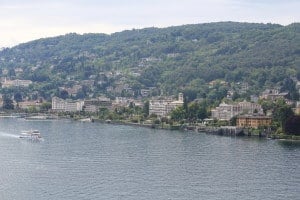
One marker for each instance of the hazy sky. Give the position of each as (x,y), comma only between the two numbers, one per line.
(25,20)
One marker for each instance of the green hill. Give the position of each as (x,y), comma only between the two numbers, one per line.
(179,58)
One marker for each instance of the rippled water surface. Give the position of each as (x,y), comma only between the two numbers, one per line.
(101,161)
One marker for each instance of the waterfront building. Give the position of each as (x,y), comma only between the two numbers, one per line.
(248,121)
(29,104)
(223,112)
(68,105)
(227,111)
(93,105)
(58,104)
(73,106)
(163,107)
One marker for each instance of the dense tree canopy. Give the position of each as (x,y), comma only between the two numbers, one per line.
(292,125)
(174,59)
(8,103)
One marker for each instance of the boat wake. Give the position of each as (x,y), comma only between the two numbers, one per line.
(2,134)
(9,135)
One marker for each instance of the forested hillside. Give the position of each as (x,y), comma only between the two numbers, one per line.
(168,60)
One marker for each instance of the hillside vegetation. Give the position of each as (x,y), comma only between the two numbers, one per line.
(170,60)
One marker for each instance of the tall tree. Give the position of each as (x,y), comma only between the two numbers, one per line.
(178,113)
(18,97)
(146,108)
(282,112)
(292,125)
(8,103)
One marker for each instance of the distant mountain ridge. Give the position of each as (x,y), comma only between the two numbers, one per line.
(172,59)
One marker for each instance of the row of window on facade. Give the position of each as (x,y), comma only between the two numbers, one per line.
(92,105)
(158,107)
(253,121)
(163,107)
(6,83)
(227,111)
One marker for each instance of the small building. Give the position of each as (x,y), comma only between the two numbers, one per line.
(145,92)
(15,83)
(253,121)
(29,104)
(273,95)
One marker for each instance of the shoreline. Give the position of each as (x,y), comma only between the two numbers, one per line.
(231,131)
(210,130)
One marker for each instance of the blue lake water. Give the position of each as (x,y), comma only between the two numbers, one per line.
(79,160)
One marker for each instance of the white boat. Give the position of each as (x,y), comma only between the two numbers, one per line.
(86,120)
(31,135)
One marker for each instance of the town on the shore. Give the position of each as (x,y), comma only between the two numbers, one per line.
(270,114)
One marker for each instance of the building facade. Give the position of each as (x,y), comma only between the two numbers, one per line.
(93,105)
(227,111)
(253,121)
(273,94)
(162,108)
(61,105)
(15,83)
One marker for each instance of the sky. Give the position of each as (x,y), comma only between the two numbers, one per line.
(25,20)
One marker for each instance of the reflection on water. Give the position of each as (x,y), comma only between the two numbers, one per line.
(289,144)
(99,161)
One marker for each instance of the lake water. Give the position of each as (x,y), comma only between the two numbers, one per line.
(79,160)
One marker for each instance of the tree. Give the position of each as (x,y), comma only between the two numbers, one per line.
(11,72)
(8,103)
(233,121)
(289,86)
(190,95)
(171,60)
(103,113)
(266,105)
(18,97)
(292,125)
(46,106)
(146,108)
(178,113)
(282,112)
(193,111)
(202,113)
(63,94)
(80,94)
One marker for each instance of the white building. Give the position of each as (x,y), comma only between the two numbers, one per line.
(59,104)
(227,111)
(73,106)
(223,112)
(15,83)
(158,107)
(163,107)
